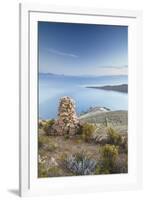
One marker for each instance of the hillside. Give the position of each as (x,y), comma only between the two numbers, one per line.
(118,119)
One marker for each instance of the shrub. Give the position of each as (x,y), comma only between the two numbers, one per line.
(113,136)
(42,170)
(109,153)
(54,171)
(80,128)
(97,170)
(51,146)
(45,142)
(41,141)
(80,164)
(124,145)
(121,164)
(62,159)
(78,141)
(66,136)
(88,131)
(100,136)
(48,125)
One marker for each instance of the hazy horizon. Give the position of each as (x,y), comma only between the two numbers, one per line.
(80,75)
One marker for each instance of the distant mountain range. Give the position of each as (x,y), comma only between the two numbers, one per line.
(83,75)
(51,74)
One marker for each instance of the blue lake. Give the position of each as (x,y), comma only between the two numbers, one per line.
(52,87)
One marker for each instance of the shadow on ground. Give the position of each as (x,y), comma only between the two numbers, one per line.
(14,192)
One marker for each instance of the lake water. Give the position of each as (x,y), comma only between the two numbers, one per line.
(52,87)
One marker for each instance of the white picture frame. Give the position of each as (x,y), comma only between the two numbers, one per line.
(29,184)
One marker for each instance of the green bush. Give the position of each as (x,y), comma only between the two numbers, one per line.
(109,154)
(88,131)
(113,136)
(48,125)
(109,151)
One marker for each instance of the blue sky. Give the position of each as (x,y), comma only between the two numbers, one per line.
(82,49)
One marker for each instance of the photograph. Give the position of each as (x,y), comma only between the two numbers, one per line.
(82,99)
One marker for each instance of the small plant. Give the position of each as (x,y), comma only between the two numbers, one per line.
(66,136)
(48,125)
(97,170)
(124,145)
(109,154)
(78,141)
(121,164)
(113,136)
(88,131)
(63,158)
(109,151)
(42,170)
(42,140)
(100,136)
(52,146)
(45,143)
(80,164)
(54,171)
(79,129)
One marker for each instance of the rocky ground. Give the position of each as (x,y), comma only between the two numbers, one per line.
(83,153)
(55,149)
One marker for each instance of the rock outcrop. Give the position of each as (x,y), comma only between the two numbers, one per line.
(67,122)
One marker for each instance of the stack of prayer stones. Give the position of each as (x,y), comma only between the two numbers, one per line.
(67,122)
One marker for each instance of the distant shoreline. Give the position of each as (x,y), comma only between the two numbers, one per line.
(118,88)
(79,75)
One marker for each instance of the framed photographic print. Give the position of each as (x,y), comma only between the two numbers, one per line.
(80,100)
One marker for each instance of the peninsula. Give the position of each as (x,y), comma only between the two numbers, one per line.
(118,88)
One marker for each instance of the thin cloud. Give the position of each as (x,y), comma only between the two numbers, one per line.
(100,71)
(112,71)
(61,53)
(115,67)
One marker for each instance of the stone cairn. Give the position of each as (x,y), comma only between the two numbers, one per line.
(67,122)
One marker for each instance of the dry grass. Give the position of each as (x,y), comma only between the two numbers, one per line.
(54,149)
